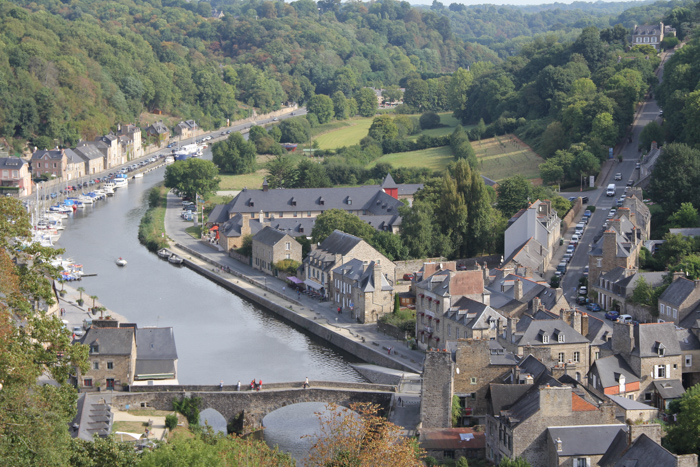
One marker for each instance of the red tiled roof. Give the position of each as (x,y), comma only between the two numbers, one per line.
(578,404)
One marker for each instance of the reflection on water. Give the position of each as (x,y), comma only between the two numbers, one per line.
(292,428)
(219,335)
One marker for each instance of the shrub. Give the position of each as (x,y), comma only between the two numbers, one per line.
(171,421)
(246,248)
(288,265)
(429,120)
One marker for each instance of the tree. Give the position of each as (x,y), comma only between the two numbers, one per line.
(429,120)
(337,219)
(676,177)
(397,303)
(321,106)
(651,132)
(234,155)
(281,172)
(458,93)
(362,438)
(642,293)
(383,128)
(311,174)
(686,217)
(366,102)
(33,417)
(417,228)
(683,437)
(551,172)
(517,462)
(103,451)
(389,244)
(513,194)
(340,105)
(193,177)
(392,94)
(295,130)
(604,129)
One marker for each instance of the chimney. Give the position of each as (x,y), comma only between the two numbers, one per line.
(245,224)
(623,338)
(555,401)
(652,430)
(577,322)
(584,324)
(511,328)
(536,304)
(567,317)
(486,273)
(609,245)
(265,185)
(678,274)
(558,442)
(486,297)
(377,277)
(518,289)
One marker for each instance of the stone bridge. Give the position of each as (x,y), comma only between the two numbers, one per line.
(247,408)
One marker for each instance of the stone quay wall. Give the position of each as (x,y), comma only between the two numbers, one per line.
(359,349)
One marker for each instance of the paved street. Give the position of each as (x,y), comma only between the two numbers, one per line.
(648,112)
(326,311)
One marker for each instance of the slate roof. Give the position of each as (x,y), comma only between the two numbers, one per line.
(155,344)
(110,341)
(644,452)
(498,355)
(159,127)
(676,293)
(531,332)
(630,404)
(647,30)
(583,440)
(407,189)
(88,152)
(502,293)
(446,283)
(352,269)
(529,403)
(269,236)
(505,395)
(599,331)
(94,417)
(11,163)
(527,254)
(669,388)
(532,366)
(687,340)
(687,232)
(53,154)
(389,182)
(610,369)
(363,198)
(218,215)
(649,336)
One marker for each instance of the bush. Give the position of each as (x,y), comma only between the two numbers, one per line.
(288,265)
(591,208)
(246,248)
(152,226)
(171,421)
(429,120)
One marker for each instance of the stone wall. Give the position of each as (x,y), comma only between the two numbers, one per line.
(570,217)
(437,390)
(253,404)
(391,330)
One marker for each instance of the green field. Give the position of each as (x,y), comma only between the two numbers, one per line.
(498,158)
(252,180)
(348,132)
(433,158)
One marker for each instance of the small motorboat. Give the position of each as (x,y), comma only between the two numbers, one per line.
(163,253)
(175,259)
(138,175)
(121,261)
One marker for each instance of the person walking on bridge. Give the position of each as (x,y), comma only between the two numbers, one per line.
(238,386)
(306,383)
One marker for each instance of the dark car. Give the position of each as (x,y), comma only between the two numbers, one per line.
(581,300)
(630,182)
(593,306)
(612,315)
(584,199)
(172,145)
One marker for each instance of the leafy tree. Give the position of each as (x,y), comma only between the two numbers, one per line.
(337,219)
(417,228)
(605,129)
(513,194)
(690,265)
(171,421)
(295,130)
(457,411)
(390,245)
(103,451)
(392,94)
(340,105)
(458,93)
(517,462)
(366,102)
(275,133)
(429,120)
(312,175)
(383,128)
(234,155)
(683,437)
(651,132)
(33,417)
(686,217)
(551,172)
(674,249)
(321,106)
(281,172)
(676,177)
(643,293)
(364,438)
(193,177)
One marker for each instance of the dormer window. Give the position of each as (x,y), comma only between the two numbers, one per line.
(321,201)
(294,202)
(349,200)
(94,348)
(251,203)
(543,337)
(560,335)
(660,349)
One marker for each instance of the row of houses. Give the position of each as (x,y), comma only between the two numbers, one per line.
(89,157)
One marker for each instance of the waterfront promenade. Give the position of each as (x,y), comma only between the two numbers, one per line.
(278,292)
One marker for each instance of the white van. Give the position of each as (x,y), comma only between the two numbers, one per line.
(624,319)
(611,190)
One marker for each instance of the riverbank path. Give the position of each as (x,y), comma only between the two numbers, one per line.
(323,312)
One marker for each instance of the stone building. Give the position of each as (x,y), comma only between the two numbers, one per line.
(336,250)
(271,246)
(186,129)
(437,390)
(564,345)
(92,157)
(651,34)
(680,300)
(614,288)
(533,234)
(15,179)
(363,288)
(521,427)
(580,445)
(453,443)
(109,147)
(641,446)
(618,247)
(159,130)
(52,162)
(112,357)
(130,141)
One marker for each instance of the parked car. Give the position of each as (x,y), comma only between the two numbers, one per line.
(618,176)
(585,271)
(584,199)
(570,249)
(624,319)
(172,145)
(568,256)
(611,214)
(78,331)
(583,290)
(409,277)
(581,300)
(591,306)
(630,182)
(575,238)
(612,315)
(587,213)
(637,165)
(572,198)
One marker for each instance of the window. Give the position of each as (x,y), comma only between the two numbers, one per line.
(597,355)
(545,339)
(660,371)
(95,365)
(561,357)
(577,357)
(94,348)
(472,380)
(308,214)
(581,462)
(599,262)
(267,214)
(281,214)
(288,246)
(647,396)
(449,331)
(288,256)
(661,308)
(110,383)
(87,382)
(560,337)
(688,360)
(110,365)
(466,335)
(675,313)
(295,213)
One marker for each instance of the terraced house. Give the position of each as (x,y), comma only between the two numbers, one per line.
(15,179)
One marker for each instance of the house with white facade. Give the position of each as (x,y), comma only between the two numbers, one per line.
(532,236)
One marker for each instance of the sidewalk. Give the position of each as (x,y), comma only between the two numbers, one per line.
(262,284)
(74,313)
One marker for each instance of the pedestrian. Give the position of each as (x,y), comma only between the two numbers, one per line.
(340,311)
(390,350)
(400,402)
(252,385)
(298,294)
(284,289)
(260,385)
(238,386)
(306,382)
(221,385)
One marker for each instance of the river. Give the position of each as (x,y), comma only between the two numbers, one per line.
(219,335)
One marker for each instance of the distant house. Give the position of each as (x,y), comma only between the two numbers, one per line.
(651,34)
(92,157)
(641,447)
(532,237)
(363,288)
(130,141)
(186,129)
(52,162)
(156,356)
(615,287)
(680,300)
(618,248)
(158,129)
(15,178)
(270,246)
(336,250)
(112,358)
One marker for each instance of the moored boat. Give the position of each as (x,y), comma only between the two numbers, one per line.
(121,261)
(175,259)
(163,253)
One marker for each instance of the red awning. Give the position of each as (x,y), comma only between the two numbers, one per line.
(214,227)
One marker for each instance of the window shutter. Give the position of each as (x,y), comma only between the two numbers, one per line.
(668,371)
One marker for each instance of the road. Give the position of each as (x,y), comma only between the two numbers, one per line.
(648,112)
